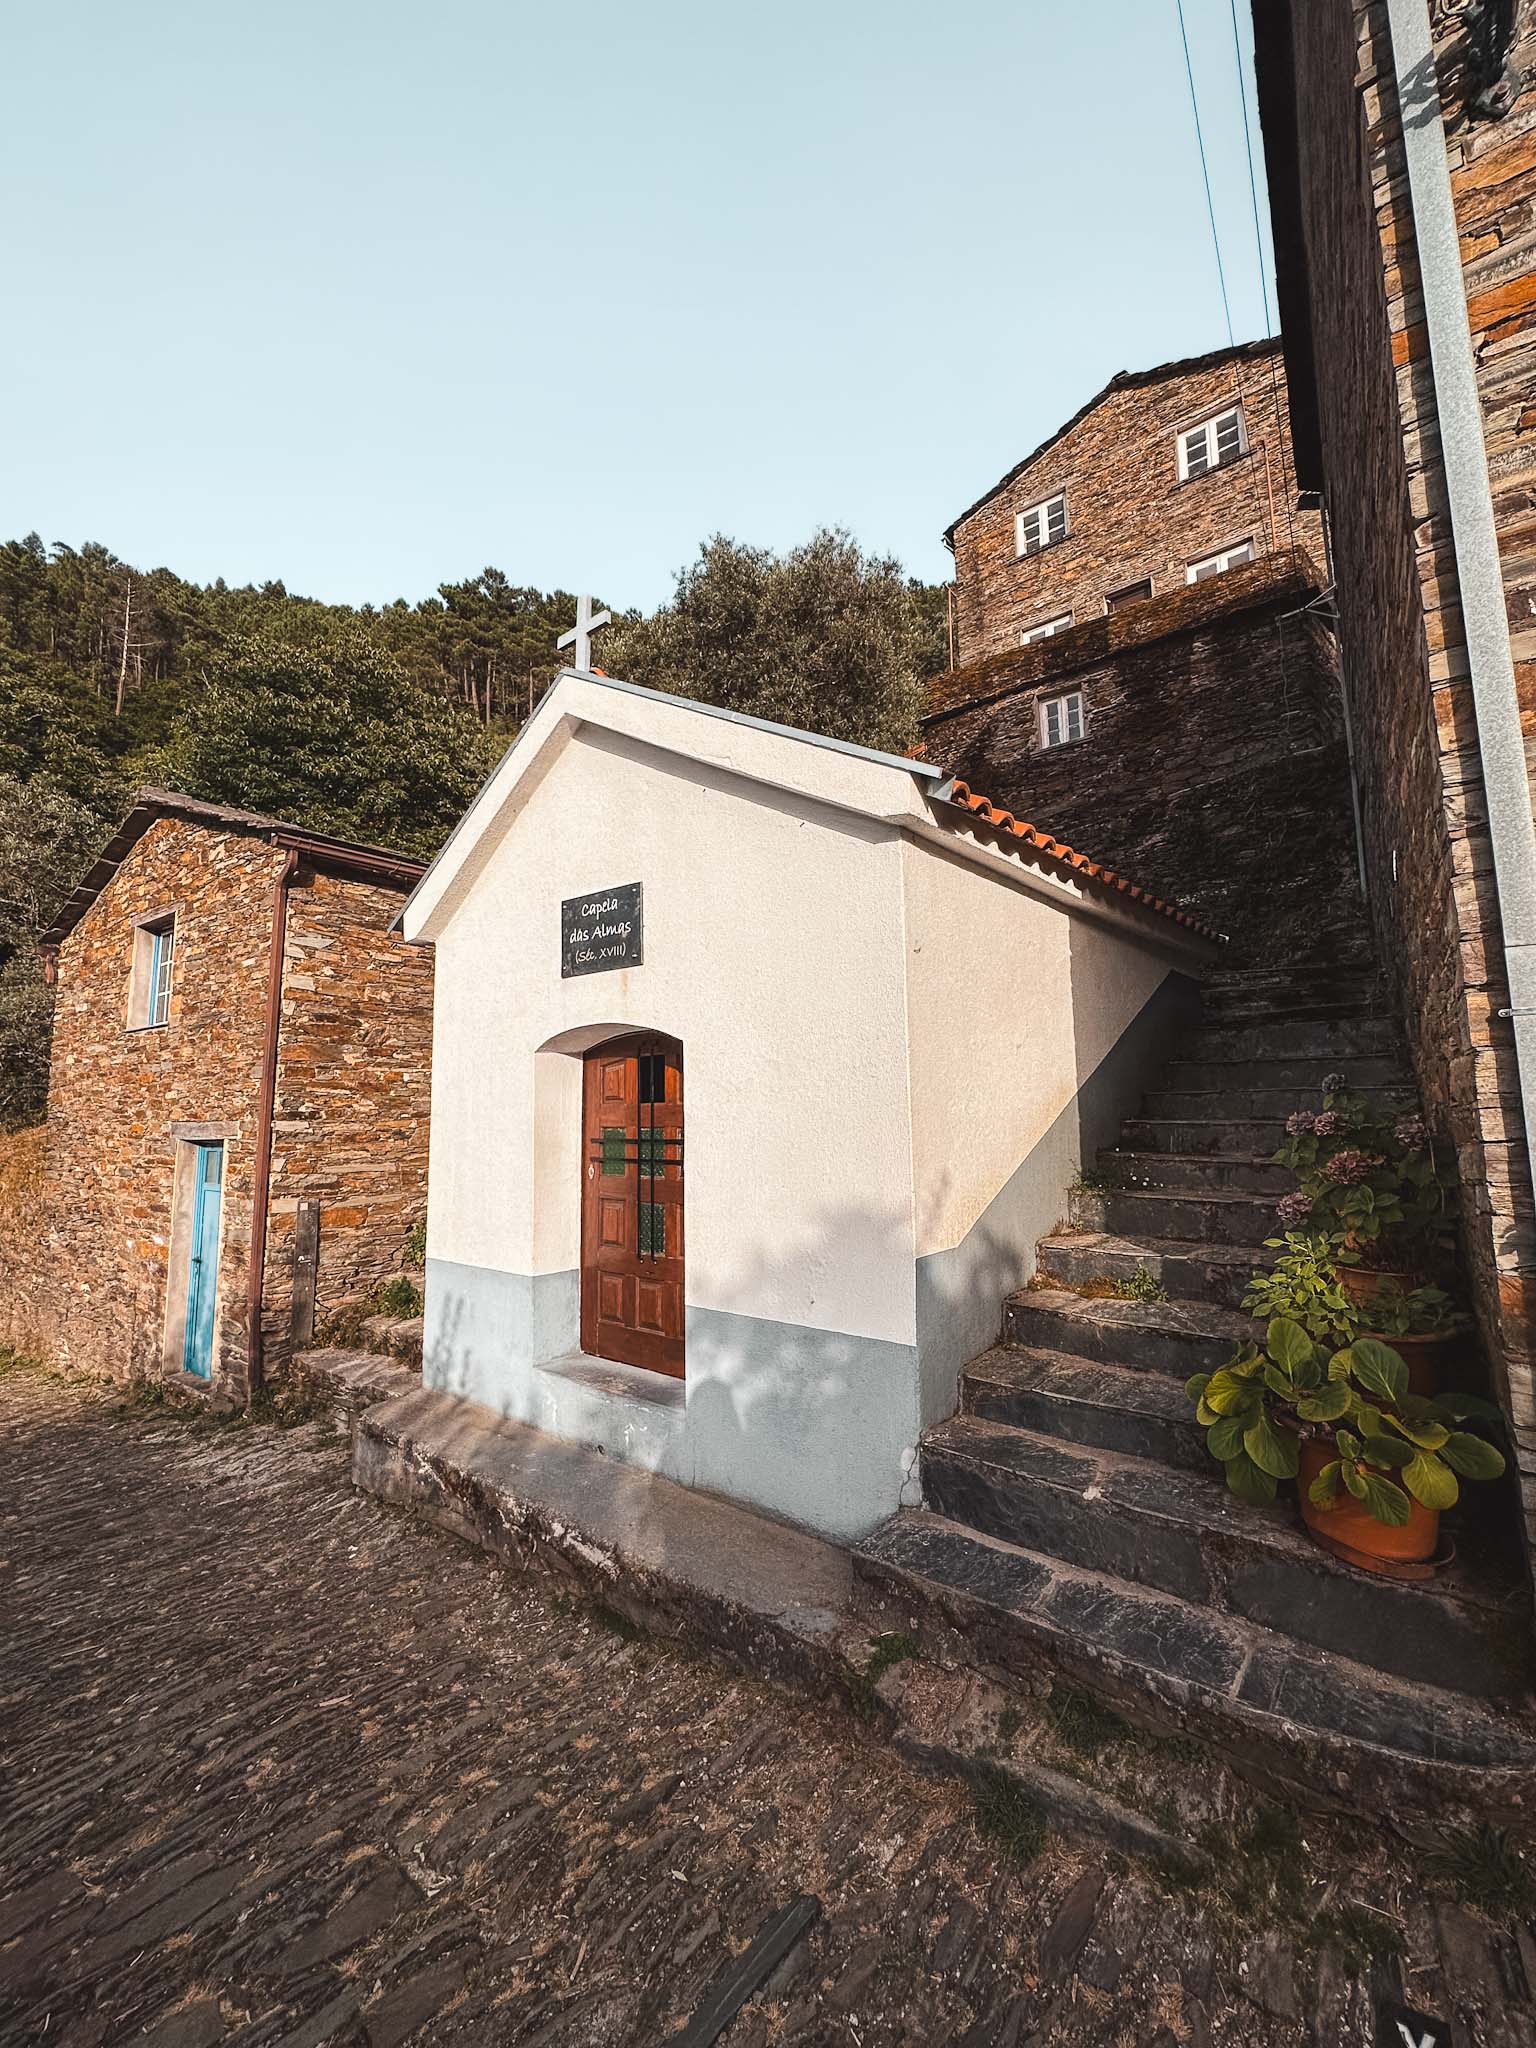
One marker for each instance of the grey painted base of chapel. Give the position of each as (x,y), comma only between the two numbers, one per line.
(817,1425)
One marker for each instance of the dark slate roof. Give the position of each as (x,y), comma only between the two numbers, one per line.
(1123,380)
(380,864)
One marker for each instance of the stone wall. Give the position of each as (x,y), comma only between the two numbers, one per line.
(25,1256)
(353,1094)
(1130,516)
(351,1109)
(1213,768)
(1405,662)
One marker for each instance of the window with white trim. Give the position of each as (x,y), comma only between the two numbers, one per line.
(1224,558)
(154,951)
(1041,525)
(1061,719)
(1212,443)
(1045,628)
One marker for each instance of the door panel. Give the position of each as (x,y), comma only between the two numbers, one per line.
(203,1260)
(632,1204)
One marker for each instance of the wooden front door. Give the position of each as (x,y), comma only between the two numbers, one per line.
(632,1204)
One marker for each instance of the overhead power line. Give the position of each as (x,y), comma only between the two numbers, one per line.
(1205,172)
(1253,183)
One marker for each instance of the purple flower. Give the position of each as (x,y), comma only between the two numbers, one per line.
(1348,1168)
(1299,1122)
(1327,1123)
(1410,1133)
(1294,1208)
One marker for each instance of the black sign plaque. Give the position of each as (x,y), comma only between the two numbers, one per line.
(600,930)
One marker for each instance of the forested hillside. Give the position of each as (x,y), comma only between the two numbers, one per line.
(374,722)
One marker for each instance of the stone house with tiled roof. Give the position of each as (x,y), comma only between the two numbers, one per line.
(1164,477)
(238,1106)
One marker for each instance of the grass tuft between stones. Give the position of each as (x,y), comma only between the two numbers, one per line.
(894,1647)
(1006,1814)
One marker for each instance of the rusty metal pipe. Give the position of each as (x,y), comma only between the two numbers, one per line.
(262,1175)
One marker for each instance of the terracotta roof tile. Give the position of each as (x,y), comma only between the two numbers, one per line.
(982,808)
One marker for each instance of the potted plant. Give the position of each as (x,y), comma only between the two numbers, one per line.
(1307,1284)
(1368,1177)
(1377,1464)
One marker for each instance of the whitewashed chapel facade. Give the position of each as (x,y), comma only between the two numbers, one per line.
(760,1063)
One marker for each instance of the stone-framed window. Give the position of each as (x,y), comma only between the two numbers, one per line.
(1128,593)
(1220,439)
(154,953)
(1061,719)
(1224,558)
(1045,628)
(1042,525)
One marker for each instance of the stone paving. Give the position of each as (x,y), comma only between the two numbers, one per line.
(282,1768)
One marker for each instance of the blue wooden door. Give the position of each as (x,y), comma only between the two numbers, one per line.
(203,1274)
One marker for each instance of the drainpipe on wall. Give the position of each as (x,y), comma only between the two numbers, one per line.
(262,1176)
(1464,456)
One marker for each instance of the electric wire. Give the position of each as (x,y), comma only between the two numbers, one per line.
(1253,183)
(1205,172)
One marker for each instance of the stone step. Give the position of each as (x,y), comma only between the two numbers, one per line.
(1197,1216)
(1303,1078)
(1105,1407)
(1245,1172)
(1183,1533)
(1216,1273)
(1327,1717)
(1177,1337)
(1243,1105)
(1259,1136)
(1280,1037)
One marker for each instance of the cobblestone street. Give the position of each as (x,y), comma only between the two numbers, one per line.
(284,1768)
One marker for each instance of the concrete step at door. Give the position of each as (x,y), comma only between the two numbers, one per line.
(1182,1533)
(1172,1337)
(1105,1407)
(1215,1273)
(1305,1709)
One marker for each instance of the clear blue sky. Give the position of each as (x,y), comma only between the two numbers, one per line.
(366,294)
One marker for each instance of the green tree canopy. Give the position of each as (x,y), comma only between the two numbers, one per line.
(825,637)
(333,735)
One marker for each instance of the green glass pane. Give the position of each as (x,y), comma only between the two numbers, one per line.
(653,1154)
(653,1231)
(613,1149)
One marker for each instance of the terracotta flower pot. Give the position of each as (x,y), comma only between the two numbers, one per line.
(1347,1525)
(1427,1359)
(1363,1283)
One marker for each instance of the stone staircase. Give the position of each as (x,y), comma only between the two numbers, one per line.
(1073,1515)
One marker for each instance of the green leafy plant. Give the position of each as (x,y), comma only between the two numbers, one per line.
(1367,1175)
(1396,1311)
(416,1246)
(399,1297)
(1304,1285)
(1140,1286)
(1388,1444)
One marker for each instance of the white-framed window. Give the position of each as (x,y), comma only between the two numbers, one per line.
(1061,719)
(1045,628)
(1224,558)
(1212,443)
(154,953)
(1041,525)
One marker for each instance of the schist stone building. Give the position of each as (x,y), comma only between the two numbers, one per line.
(760,1064)
(1145,659)
(237,1108)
